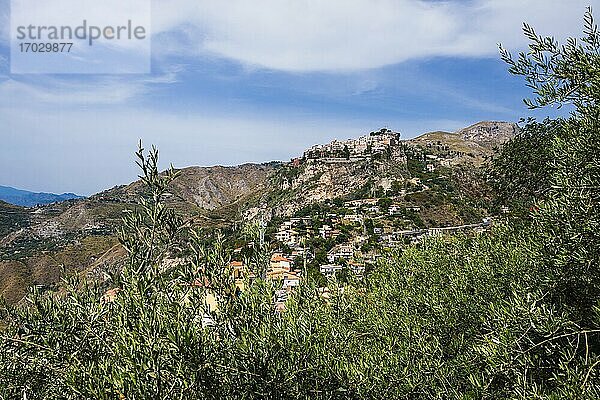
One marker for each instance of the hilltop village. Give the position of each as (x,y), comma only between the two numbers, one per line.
(343,236)
(375,145)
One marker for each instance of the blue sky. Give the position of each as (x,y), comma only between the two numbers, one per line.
(239,81)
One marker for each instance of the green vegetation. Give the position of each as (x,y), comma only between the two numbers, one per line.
(12,218)
(511,313)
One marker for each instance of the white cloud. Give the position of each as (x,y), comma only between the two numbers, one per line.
(104,90)
(316,35)
(68,93)
(334,35)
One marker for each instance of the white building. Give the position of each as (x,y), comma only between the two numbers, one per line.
(329,270)
(354,218)
(325,231)
(395,209)
(288,236)
(344,251)
(290,281)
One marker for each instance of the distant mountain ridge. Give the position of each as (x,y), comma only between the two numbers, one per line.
(26,198)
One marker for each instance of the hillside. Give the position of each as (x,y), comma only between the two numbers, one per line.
(36,244)
(31,199)
(434,174)
(380,163)
(471,144)
(12,218)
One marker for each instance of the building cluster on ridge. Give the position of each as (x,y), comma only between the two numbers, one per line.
(350,235)
(372,145)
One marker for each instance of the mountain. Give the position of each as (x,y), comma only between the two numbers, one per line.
(489,132)
(473,143)
(30,199)
(207,188)
(434,175)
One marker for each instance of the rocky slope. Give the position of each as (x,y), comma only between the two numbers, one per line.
(489,133)
(206,188)
(472,144)
(317,181)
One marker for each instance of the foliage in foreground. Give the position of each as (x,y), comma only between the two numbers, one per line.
(458,318)
(513,313)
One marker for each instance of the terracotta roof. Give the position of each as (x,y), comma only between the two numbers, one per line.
(280,307)
(110,295)
(201,282)
(277,258)
(277,273)
(236,264)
